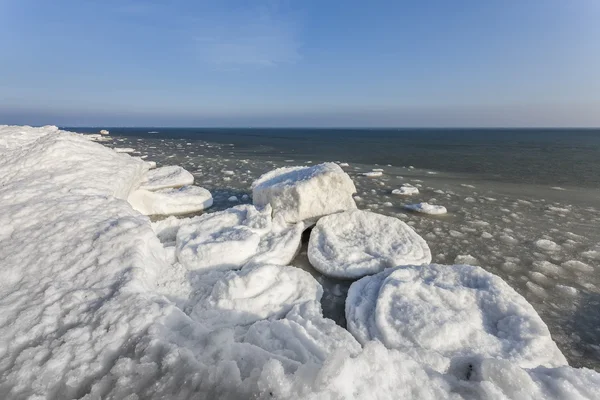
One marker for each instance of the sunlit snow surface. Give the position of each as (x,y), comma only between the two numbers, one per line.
(93,304)
(495,225)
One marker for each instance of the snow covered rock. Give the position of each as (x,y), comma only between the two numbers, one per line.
(426,208)
(406,190)
(437,312)
(356,243)
(304,193)
(171,176)
(231,238)
(171,201)
(254,293)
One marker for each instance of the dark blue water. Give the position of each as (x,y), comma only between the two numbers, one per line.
(561,157)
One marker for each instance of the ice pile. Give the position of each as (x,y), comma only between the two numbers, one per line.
(304,193)
(438,312)
(237,236)
(167,177)
(356,243)
(92,305)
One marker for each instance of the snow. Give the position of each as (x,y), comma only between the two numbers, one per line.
(95,304)
(406,190)
(437,312)
(234,237)
(171,176)
(304,193)
(426,208)
(356,243)
(171,201)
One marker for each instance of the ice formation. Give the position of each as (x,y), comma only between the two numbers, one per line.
(304,193)
(438,312)
(426,208)
(171,176)
(171,201)
(93,304)
(356,243)
(406,190)
(234,237)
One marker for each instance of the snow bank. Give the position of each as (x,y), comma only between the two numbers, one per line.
(171,201)
(426,208)
(356,243)
(171,176)
(304,193)
(437,312)
(234,237)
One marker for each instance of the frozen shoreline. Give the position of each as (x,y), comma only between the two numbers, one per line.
(85,274)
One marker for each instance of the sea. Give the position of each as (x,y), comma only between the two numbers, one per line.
(523,204)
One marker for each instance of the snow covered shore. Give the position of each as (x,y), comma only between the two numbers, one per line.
(93,302)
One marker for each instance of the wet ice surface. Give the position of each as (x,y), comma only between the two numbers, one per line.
(543,241)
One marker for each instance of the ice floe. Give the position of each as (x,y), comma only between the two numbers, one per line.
(437,312)
(406,190)
(171,201)
(171,176)
(355,243)
(426,208)
(304,193)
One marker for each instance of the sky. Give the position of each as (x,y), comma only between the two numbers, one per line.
(496,63)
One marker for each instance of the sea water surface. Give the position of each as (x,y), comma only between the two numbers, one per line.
(522,204)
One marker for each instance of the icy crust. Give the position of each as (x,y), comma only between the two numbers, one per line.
(256,292)
(234,237)
(171,176)
(356,243)
(437,312)
(171,201)
(426,208)
(299,194)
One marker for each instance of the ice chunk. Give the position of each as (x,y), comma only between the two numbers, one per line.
(104,132)
(304,193)
(547,245)
(426,208)
(406,190)
(254,293)
(171,201)
(437,312)
(231,238)
(355,243)
(372,174)
(171,176)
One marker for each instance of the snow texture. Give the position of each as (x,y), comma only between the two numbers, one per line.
(437,312)
(356,243)
(234,237)
(171,176)
(171,201)
(304,193)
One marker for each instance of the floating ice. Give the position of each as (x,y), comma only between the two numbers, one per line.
(171,176)
(426,208)
(437,312)
(355,243)
(372,174)
(104,132)
(406,190)
(171,201)
(304,193)
(231,238)
(547,245)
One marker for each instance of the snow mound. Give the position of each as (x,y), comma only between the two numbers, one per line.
(171,176)
(356,243)
(255,293)
(426,208)
(406,190)
(234,237)
(437,312)
(171,201)
(304,193)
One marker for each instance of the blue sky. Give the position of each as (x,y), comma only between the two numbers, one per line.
(300,63)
